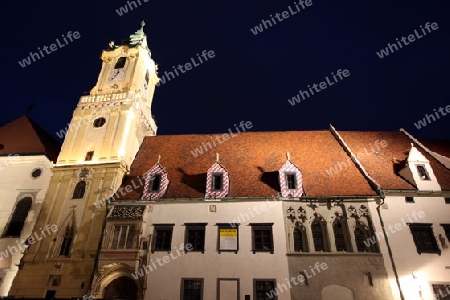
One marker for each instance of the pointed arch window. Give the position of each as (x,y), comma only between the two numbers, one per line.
(319,236)
(300,241)
(67,241)
(365,239)
(341,237)
(18,218)
(79,190)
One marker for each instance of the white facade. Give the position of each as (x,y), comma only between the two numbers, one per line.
(16,184)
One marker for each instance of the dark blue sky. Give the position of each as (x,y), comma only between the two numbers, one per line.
(251,76)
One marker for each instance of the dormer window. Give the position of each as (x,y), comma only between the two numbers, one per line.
(290,179)
(217,182)
(120,63)
(156,184)
(423,172)
(217,179)
(291,182)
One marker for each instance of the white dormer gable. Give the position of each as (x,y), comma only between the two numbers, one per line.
(217,181)
(290,178)
(418,170)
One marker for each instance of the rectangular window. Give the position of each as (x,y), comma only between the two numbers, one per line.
(192,289)
(124,237)
(447,200)
(50,294)
(441,291)
(264,289)
(262,238)
(156,183)
(228,237)
(409,199)
(424,238)
(120,63)
(195,236)
(290,181)
(217,179)
(89,155)
(422,172)
(162,240)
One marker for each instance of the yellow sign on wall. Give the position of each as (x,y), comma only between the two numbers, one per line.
(228,238)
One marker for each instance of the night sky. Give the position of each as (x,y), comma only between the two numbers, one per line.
(251,76)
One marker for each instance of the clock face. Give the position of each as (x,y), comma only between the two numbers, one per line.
(116,75)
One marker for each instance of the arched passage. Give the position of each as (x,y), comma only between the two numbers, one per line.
(337,292)
(121,288)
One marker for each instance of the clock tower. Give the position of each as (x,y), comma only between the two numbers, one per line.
(103,137)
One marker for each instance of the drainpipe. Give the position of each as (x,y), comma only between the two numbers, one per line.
(394,267)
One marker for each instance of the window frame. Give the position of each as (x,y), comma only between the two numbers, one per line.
(214,177)
(227,226)
(66,241)
(273,281)
(190,227)
(345,236)
(438,285)
(418,228)
(120,63)
(184,279)
(304,239)
(111,242)
(262,227)
(162,227)
(154,179)
(423,173)
(18,216)
(78,191)
(89,155)
(294,178)
(324,236)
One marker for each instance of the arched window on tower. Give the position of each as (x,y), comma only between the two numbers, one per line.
(79,190)
(67,240)
(18,218)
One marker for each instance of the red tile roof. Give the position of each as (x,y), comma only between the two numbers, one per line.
(382,167)
(252,160)
(24,137)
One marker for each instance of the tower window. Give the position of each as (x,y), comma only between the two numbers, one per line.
(99,122)
(147,77)
(67,241)
(423,172)
(217,180)
(156,185)
(78,191)
(120,63)
(291,182)
(89,155)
